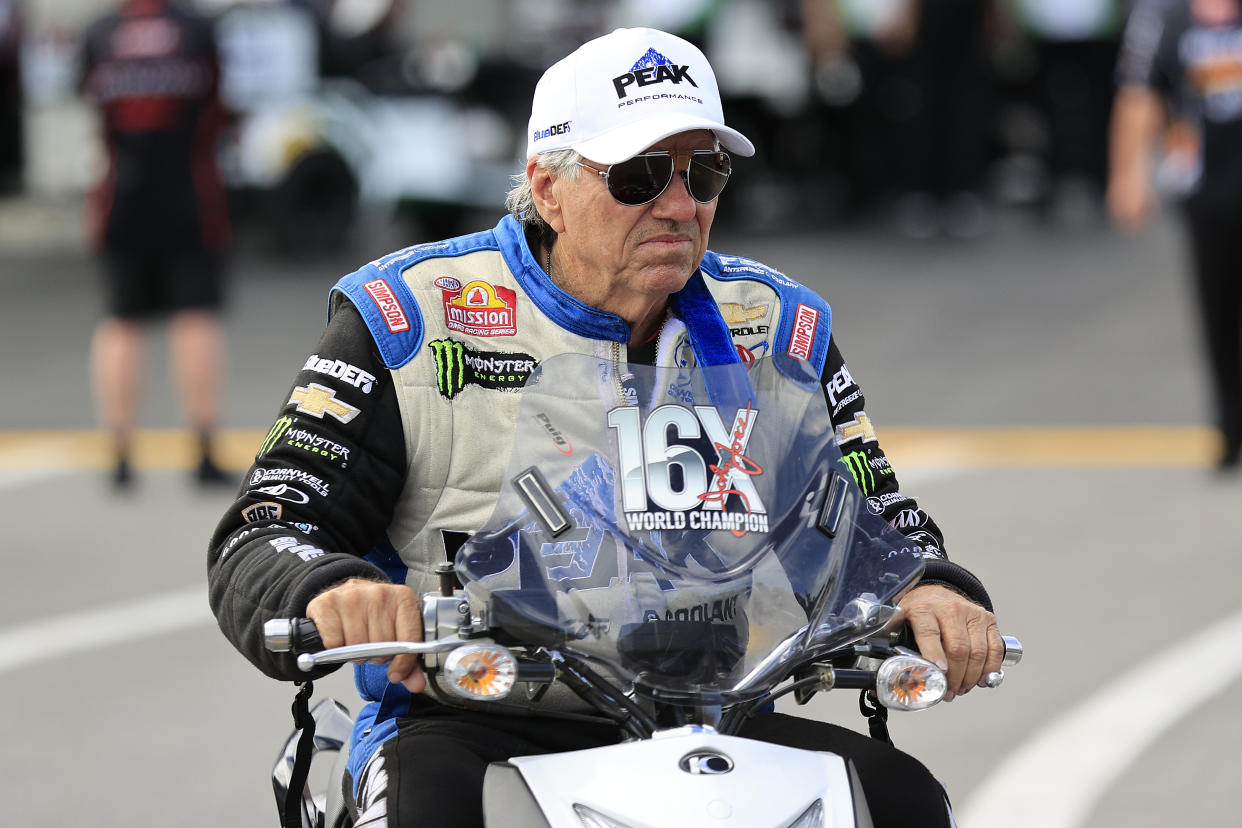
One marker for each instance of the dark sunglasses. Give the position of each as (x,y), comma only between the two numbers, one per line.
(643,178)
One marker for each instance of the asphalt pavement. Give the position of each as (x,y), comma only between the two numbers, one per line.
(1039,389)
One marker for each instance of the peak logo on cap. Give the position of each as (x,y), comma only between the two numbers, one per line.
(668,90)
(651,68)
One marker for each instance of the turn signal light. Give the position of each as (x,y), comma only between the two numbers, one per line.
(481,671)
(906,682)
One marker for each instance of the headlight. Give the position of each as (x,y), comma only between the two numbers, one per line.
(594,819)
(481,671)
(812,817)
(907,682)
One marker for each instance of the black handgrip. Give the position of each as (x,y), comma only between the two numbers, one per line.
(292,635)
(304,637)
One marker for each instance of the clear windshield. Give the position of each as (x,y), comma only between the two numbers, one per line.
(695,529)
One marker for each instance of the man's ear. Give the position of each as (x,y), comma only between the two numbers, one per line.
(546,201)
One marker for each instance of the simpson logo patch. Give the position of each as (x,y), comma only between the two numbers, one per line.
(458,366)
(803,336)
(479,308)
(389,306)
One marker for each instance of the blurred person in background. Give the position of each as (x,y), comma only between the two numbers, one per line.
(923,106)
(11,132)
(862,63)
(158,216)
(1075,44)
(1181,63)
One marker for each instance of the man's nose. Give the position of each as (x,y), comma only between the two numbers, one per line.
(675,202)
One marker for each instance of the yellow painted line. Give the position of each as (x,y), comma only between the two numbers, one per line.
(152,449)
(1060,446)
(909,447)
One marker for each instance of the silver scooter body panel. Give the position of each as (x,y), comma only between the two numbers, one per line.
(685,776)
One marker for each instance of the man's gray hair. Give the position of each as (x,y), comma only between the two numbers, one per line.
(520,201)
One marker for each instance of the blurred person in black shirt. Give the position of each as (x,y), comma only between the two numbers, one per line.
(1181,62)
(923,105)
(1074,45)
(11,134)
(159,215)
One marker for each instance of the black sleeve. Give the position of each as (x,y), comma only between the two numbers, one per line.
(1148,52)
(874,474)
(319,496)
(84,60)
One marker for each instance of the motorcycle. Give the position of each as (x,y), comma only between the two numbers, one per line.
(677,547)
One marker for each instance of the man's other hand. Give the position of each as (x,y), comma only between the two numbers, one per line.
(956,634)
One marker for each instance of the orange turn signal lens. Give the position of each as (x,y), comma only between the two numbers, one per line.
(907,682)
(481,671)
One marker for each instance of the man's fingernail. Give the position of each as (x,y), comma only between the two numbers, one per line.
(942,664)
(950,696)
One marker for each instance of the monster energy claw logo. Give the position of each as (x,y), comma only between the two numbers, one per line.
(864,470)
(273,436)
(450,367)
(458,366)
(856,462)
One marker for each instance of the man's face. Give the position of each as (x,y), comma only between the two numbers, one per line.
(651,249)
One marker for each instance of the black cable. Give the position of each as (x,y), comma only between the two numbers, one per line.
(597,684)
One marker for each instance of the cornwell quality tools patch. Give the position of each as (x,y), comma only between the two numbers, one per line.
(458,366)
(478,308)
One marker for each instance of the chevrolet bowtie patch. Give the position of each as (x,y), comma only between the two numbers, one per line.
(317,400)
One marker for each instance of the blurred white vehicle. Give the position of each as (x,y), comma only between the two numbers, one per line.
(308,152)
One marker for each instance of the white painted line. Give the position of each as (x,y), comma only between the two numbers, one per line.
(1056,779)
(104,626)
(13,478)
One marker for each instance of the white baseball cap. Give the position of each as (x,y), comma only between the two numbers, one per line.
(617,95)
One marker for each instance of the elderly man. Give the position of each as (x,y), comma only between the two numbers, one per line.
(382,461)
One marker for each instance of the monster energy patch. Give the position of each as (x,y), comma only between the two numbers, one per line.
(458,366)
(864,471)
(300,438)
(273,436)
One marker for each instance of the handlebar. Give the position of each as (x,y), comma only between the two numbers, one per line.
(1013,651)
(300,636)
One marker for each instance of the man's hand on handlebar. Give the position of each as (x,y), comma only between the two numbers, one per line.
(956,634)
(361,611)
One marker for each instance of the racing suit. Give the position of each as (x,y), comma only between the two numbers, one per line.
(375,467)
(159,214)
